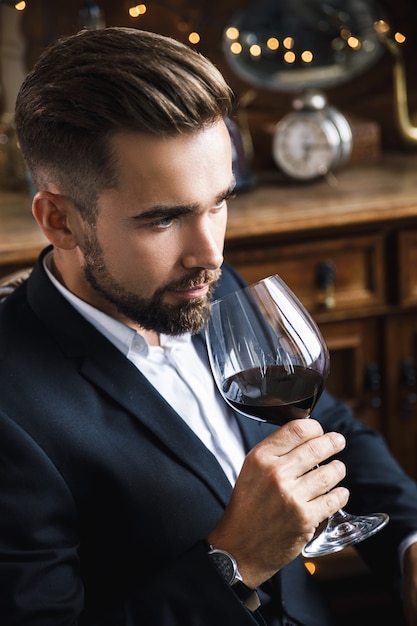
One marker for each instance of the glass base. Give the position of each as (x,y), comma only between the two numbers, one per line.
(344,530)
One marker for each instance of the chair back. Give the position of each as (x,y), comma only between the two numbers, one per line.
(9,282)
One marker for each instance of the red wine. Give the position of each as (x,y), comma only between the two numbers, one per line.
(274,394)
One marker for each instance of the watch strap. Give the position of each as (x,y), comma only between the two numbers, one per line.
(249,597)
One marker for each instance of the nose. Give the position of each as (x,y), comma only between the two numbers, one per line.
(204,245)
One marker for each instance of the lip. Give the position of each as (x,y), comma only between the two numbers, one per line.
(194,292)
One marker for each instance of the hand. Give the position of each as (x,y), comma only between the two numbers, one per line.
(277,502)
(410,585)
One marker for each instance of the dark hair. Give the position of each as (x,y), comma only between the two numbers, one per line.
(89,86)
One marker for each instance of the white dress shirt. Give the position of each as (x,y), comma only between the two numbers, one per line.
(179,370)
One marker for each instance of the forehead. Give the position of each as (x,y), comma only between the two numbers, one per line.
(193,169)
(154,164)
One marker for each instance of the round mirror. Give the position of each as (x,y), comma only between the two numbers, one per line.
(288,45)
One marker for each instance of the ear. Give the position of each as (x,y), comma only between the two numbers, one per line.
(53,213)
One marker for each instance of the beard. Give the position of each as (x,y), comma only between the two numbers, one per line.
(152,314)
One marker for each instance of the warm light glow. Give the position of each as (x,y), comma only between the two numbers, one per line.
(232,32)
(288,43)
(307,56)
(310,567)
(137,10)
(345,33)
(353,42)
(399,37)
(255,50)
(20,6)
(194,37)
(235,48)
(289,57)
(183,27)
(272,43)
(381,27)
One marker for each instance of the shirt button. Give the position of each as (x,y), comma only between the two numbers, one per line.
(139,344)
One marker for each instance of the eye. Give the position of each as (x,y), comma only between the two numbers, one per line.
(163,222)
(220,204)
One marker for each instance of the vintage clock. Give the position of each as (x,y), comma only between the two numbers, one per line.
(312,140)
(303,48)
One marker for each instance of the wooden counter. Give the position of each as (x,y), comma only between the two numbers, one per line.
(358,195)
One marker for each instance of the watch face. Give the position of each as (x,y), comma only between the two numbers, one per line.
(225,565)
(307,144)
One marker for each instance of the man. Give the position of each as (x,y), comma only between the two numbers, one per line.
(124,473)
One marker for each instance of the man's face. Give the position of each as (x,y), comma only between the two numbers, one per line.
(154,255)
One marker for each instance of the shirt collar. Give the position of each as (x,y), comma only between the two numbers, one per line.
(121,336)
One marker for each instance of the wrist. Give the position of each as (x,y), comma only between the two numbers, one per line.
(227,567)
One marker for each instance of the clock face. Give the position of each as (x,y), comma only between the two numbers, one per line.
(307,144)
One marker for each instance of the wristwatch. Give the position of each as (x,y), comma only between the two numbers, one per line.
(227,568)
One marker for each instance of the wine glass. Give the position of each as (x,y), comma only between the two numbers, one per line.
(271,363)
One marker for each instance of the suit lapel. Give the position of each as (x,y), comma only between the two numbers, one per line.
(107,368)
(131,390)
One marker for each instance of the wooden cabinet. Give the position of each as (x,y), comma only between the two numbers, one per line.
(349,252)
(401,388)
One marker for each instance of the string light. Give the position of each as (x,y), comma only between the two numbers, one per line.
(236,48)
(307,56)
(232,32)
(136,11)
(184,24)
(194,37)
(289,50)
(381,27)
(255,50)
(272,43)
(289,57)
(354,43)
(19,6)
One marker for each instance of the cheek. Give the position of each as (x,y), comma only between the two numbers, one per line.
(220,229)
(143,264)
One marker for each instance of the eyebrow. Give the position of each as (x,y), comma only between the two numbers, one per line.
(159,211)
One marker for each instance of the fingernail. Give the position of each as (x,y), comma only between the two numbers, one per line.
(340,439)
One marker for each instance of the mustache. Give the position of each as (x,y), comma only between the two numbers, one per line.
(196,279)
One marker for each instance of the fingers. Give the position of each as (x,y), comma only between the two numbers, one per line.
(315,451)
(323,478)
(278,500)
(321,492)
(293,434)
(302,444)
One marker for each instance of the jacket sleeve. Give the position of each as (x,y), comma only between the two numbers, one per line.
(41,582)
(188,593)
(39,564)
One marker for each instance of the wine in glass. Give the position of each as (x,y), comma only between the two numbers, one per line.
(271,363)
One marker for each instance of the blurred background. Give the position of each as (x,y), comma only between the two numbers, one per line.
(366,92)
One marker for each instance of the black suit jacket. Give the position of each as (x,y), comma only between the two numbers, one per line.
(106,495)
